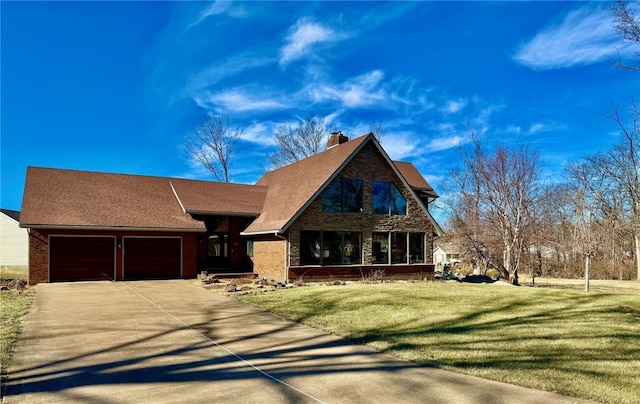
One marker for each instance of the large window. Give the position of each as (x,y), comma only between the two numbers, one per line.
(387,199)
(330,247)
(397,248)
(344,195)
(380,248)
(416,248)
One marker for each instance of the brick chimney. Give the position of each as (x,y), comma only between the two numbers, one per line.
(336,138)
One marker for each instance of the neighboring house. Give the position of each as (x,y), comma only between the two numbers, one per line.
(447,253)
(340,213)
(14,243)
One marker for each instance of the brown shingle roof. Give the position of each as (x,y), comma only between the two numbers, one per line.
(206,197)
(414,178)
(292,187)
(54,197)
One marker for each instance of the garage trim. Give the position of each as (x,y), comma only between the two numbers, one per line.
(123,250)
(113,277)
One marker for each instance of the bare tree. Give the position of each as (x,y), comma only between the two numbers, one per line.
(295,143)
(628,26)
(496,200)
(377,128)
(212,144)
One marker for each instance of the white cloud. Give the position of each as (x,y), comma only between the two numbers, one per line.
(303,37)
(585,36)
(258,132)
(538,127)
(223,69)
(400,146)
(359,91)
(453,106)
(236,100)
(445,143)
(217,8)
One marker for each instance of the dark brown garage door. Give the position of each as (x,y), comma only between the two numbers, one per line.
(81,258)
(152,258)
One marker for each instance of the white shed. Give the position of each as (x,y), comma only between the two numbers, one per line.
(14,244)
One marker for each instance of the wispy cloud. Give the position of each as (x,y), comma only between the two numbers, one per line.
(258,132)
(217,8)
(585,36)
(454,106)
(358,91)
(400,146)
(304,37)
(445,143)
(237,100)
(225,68)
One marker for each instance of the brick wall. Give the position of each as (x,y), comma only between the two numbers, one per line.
(269,259)
(368,165)
(38,257)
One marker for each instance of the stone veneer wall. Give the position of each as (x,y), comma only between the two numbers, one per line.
(368,165)
(269,259)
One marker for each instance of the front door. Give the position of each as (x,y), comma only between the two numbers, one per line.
(218,251)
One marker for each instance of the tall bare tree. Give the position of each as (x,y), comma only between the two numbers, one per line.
(295,143)
(377,128)
(627,25)
(212,144)
(495,203)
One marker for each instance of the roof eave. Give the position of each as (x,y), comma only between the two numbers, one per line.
(222,213)
(112,228)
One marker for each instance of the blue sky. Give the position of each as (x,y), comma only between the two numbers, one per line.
(117,86)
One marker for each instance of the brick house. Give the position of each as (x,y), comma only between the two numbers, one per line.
(340,213)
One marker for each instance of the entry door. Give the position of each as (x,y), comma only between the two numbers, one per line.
(218,251)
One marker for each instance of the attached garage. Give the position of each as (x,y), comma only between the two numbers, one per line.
(81,258)
(152,257)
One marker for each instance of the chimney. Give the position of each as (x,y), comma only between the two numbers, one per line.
(336,138)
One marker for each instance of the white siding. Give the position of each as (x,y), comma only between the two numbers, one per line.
(14,243)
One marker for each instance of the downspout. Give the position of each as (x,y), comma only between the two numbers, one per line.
(286,256)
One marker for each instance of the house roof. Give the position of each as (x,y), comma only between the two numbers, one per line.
(204,197)
(14,214)
(291,188)
(415,179)
(83,199)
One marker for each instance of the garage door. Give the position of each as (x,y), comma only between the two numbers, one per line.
(152,258)
(81,258)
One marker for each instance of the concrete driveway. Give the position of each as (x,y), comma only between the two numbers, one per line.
(175,342)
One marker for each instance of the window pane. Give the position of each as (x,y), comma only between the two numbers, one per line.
(310,247)
(416,248)
(398,203)
(380,248)
(398,248)
(332,199)
(331,244)
(352,247)
(352,195)
(380,197)
(250,248)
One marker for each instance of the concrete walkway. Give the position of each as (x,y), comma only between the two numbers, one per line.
(175,342)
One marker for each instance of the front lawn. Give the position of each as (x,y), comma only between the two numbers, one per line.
(579,344)
(13,306)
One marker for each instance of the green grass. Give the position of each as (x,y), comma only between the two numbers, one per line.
(14,273)
(584,345)
(13,306)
